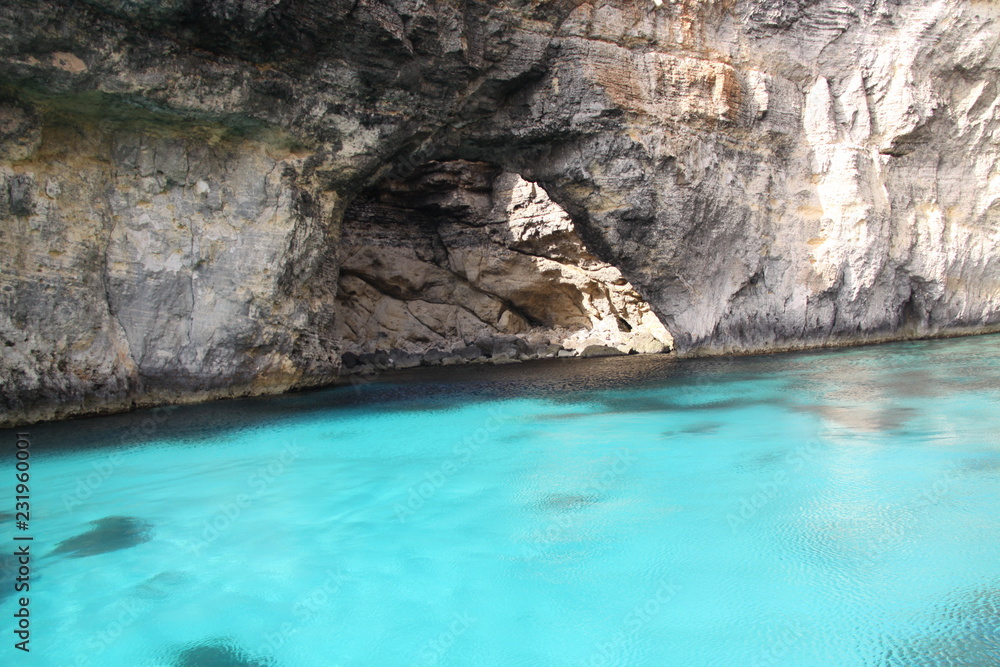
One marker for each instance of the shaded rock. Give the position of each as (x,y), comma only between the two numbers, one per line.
(433,357)
(485,344)
(601,351)
(20,131)
(402,359)
(503,358)
(537,339)
(509,346)
(20,189)
(381,361)
(548,351)
(469,352)
(460,250)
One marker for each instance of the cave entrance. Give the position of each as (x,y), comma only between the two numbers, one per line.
(462,262)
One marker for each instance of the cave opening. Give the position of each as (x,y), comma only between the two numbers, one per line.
(463,262)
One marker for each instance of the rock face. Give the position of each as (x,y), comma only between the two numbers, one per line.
(460,252)
(142,263)
(766,174)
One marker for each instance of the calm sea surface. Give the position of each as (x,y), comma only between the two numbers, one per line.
(828,508)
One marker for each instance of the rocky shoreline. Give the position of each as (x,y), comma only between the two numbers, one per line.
(498,351)
(222,198)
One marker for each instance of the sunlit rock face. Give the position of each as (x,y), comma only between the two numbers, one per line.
(461,252)
(765,174)
(778,174)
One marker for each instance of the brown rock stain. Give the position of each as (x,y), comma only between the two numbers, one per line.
(68,62)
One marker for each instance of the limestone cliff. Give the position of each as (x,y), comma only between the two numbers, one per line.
(764,173)
(460,262)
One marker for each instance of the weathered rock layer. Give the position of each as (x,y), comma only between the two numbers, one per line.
(766,174)
(461,262)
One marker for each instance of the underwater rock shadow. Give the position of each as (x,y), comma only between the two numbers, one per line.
(161,586)
(566,502)
(698,428)
(763,462)
(219,652)
(653,404)
(112,533)
(611,405)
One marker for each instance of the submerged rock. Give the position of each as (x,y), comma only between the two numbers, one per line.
(161,586)
(111,533)
(219,653)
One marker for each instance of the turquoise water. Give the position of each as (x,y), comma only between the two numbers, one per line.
(832,508)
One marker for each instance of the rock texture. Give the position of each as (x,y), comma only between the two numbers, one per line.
(766,174)
(137,262)
(460,254)
(780,174)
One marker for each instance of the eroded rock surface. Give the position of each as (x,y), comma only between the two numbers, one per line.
(766,174)
(139,263)
(461,254)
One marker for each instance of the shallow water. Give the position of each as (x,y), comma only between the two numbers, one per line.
(828,508)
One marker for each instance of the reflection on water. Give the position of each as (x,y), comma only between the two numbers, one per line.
(862,418)
(962,630)
(827,508)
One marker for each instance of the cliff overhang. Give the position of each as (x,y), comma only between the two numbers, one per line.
(765,174)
